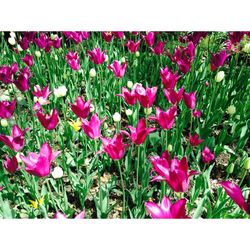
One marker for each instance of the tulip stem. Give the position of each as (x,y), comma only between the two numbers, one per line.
(123,190)
(191,122)
(137,170)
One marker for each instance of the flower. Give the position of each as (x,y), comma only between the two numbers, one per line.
(40,164)
(12,41)
(7,109)
(190,99)
(129,97)
(218,60)
(22,83)
(97,56)
(116,117)
(207,155)
(246,163)
(195,140)
(231,110)
(4,123)
(57,173)
(168,78)
(16,140)
(146,97)
(128,112)
(81,108)
(41,96)
(73,60)
(49,122)
(28,60)
(59,215)
(149,38)
(7,73)
(118,34)
(137,53)
(92,73)
(159,48)
(167,210)
(130,84)
(139,134)
(76,125)
(148,111)
(11,164)
(60,91)
(219,76)
(37,202)
(38,53)
(174,172)
(196,113)
(77,37)
(246,48)
(107,36)
(92,128)
(236,195)
(133,46)
(165,119)
(172,96)
(118,69)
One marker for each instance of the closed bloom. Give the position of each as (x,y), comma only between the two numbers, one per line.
(60,91)
(130,84)
(146,97)
(7,109)
(128,112)
(11,164)
(116,117)
(139,134)
(57,173)
(97,56)
(4,123)
(246,163)
(190,99)
(218,60)
(172,96)
(16,140)
(22,83)
(129,97)
(207,155)
(118,70)
(165,119)
(49,122)
(159,48)
(133,46)
(168,78)
(59,215)
(236,195)
(149,38)
(28,60)
(219,76)
(167,210)
(73,60)
(81,108)
(40,164)
(195,140)
(92,73)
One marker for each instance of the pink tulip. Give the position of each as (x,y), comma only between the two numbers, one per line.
(139,134)
(59,215)
(114,147)
(236,195)
(218,60)
(129,97)
(195,140)
(22,83)
(167,210)
(49,122)
(158,49)
(42,95)
(40,164)
(81,108)
(73,60)
(97,56)
(7,73)
(168,78)
(7,109)
(118,34)
(165,119)
(174,172)
(16,140)
(28,60)
(149,38)
(190,99)
(146,97)
(172,96)
(92,128)
(107,36)
(77,37)
(118,70)
(133,46)
(56,42)
(41,41)
(207,155)
(196,113)
(11,164)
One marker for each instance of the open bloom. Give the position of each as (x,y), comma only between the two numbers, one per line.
(118,69)
(168,78)
(146,97)
(77,37)
(92,128)
(195,140)
(114,147)
(129,97)
(81,108)
(76,125)
(149,38)
(139,134)
(7,109)
(167,210)
(190,99)
(218,60)
(49,122)
(11,164)
(22,82)
(173,171)
(41,96)
(59,215)
(196,113)
(16,140)
(7,73)
(73,60)
(28,60)
(97,56)
(133,46)
(165,119)
(236,195)
(40,164)
(107,36)
(158,49)
(172,96)
(207,155)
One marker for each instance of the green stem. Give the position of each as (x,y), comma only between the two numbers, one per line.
(123,189)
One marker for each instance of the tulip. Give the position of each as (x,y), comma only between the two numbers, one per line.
(218,60)
(11,164)
(133,46)
(167,210)
(81,108)
(246,163)
(73,60)
(236,195)
(118,34)
(195,140)
(116,117)
(139,134)
(207,155)
(129,112)
(41,96)
(41,41)
(165,119)
(190,99)
(118,70)
(146,97)
(174,172)
(16,140)
(40,164)
(57,173)
(59,215)
(60,91)
(28,60)
(130,84)
(129,97)
(7,109)
(77,37)
(49,122)
(159,48)
(92,73)
(7,73)
(196,113)
(168,78)
(92,128)
(172,96)
(76,125)
(149,38)
(97,56)
(4,123)
(219,76)
(114,147)
(22,82)
(107,36)
(24,43)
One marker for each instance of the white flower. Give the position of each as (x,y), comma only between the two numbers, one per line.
(231,110)
(12,40)
(130,84)
(106,58)
(246,48)
(19,48)
(38,53)
(92,108)
(56,57)
(60,91)
(92,73)
(170,147)
(137,53)
(57,173)
(219,76)
(123,60)
(148,111)
(116,117)
(12,34)
(4,123)
(128,112)
(18,157)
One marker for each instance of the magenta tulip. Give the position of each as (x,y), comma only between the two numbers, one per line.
(196,113)
(146,97)
(59,215)
(22,83)
(7,73)
(133,46)
(195,140)
(129,97)
(118,34)
(77,37)
(190,100)
(107,36)
(218,60)
(73,60)
(118,69)
(172,96)
(97,56)
(149,38)
(11,164)
(207,155)
(42,94)
(168,78)
(7,109)
(81,108)
(49,122)
(28,60)
(158,49)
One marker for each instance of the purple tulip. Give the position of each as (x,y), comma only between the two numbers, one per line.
(190,100)
(81,108)
(118,34)
(146,97)
(7,109)
(73,60)
(107,36)
(49,122)
(28,60)
(97,56)
(118,69)
(218,60)
(22,83)
(11,164)
(7,73)
(207,155)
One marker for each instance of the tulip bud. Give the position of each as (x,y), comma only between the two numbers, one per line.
(12,41)
(57,173)
(170,148)
(106,58)
(4,123)
(19,48)
(123,60)
(219,76)
(38,53)
(148,111)
(56,57)
(116,117)
(246,163)
(130,84)
(137,53)
(60,91)
(92,108)
(246,48)
(231,110)
(230,168)
(92,73)
(128,112)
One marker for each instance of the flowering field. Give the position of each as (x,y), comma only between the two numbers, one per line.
(124,124)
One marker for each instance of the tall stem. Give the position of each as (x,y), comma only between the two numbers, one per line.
(123,189)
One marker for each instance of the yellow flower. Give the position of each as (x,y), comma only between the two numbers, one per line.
(35,203)
(75,124)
